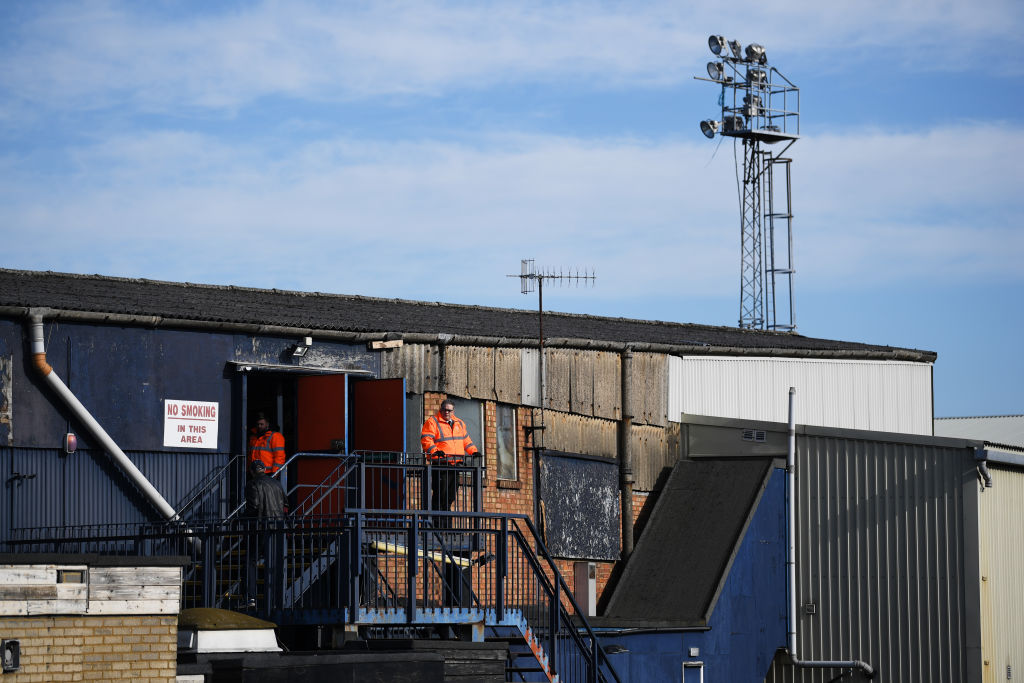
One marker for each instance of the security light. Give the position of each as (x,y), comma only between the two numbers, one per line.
(755,53)
(717,44)
(709,128)
(301,348)
(716,70)
(737,49)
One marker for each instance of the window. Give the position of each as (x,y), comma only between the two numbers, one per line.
(506,437)
(471,412)
(413,422)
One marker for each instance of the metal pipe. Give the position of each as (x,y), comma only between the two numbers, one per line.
(981,457)
(791,559)
(626,454)
(682,348)
(80,412)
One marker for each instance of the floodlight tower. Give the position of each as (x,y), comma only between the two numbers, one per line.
(760,107)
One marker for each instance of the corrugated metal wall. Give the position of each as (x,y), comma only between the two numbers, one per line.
(1001,521)
(881,557)
(88,488)
(419,364)
(885,396)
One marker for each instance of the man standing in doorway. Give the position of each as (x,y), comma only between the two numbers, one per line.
(445,441)
(267,446)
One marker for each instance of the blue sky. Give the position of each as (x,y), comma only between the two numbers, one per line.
(420,150)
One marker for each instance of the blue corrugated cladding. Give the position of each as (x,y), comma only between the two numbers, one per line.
(46,487)
(748,623)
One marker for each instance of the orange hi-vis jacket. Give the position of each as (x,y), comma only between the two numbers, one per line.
(269,448)
(442,441)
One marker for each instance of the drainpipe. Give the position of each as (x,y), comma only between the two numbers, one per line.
(626,453)
(80,411)
(981,457)
(791,560)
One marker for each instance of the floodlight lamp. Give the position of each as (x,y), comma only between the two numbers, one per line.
(709,128)
(716,71)
(754,53)
(737,49)
(756,78)
(751,105)
(717,44)
(732,123)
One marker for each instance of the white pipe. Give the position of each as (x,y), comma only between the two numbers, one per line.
(791,558)
(80,411)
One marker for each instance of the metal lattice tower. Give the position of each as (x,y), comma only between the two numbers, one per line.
(759,107)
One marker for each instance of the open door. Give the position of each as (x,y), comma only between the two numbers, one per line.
(378,429)
(320,421)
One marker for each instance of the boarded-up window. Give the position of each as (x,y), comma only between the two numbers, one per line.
(581,502)
(506,433)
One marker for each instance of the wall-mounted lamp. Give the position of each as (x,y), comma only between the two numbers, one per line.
(300,349)
(10,655)
(70,443)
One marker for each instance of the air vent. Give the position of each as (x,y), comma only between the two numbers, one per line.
(757,435)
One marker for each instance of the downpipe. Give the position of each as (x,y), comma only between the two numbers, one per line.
(94,427)
(791,560)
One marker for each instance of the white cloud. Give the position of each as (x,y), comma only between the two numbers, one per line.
(99,55)
(384,218)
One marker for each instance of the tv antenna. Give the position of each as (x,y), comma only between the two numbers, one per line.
(761,107)
(531,278)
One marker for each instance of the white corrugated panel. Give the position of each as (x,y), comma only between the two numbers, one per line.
(531,376)
(1001,518)
(885,396)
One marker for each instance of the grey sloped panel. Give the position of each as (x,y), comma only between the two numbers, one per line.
(581,398)
(558,366)
(607,385)
(508,375)
(419,364)
(580,434)
(456,370)
(480,372)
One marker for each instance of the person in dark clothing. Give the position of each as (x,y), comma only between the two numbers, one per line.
(264,505)
(264,496)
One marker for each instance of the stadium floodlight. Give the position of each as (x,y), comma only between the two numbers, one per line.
(716,71)
(737,49)
(709,128)
(756,78)
(751,105)
(755,53)
(717,44)
(732,124)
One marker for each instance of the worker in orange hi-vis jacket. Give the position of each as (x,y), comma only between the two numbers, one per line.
(266,446)
(445,441)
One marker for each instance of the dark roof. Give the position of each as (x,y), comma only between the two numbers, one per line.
(335,312)
(704,505)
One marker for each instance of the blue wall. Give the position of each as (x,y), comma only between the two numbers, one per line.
(748,623)
(122,375)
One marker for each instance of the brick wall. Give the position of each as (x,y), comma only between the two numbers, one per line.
(84,648)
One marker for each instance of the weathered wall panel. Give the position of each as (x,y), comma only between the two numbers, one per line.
(456,370)
(6,396)
(650,390)
(420,364)
(887,396)
(558,369)
(607,385)
(531,377)
(581,499)
(480,375)
(581,400)
(653,454)
(580,434)
(508,376)
(1001,519)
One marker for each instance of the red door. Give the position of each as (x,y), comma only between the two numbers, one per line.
(378,430)
(320,421)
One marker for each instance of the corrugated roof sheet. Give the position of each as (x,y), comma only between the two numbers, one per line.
(335,312)
(1007,430)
